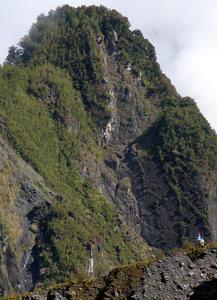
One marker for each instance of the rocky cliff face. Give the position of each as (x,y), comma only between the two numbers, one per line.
(129,162)
(22,192)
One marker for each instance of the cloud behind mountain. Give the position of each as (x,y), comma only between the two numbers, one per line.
(183,32)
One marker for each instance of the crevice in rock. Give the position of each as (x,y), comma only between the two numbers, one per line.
(205,291)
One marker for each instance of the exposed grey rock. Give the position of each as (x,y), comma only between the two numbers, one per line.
(162,281)
(29,192)
(191,266)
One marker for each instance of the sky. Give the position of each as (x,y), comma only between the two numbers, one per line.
(184,33)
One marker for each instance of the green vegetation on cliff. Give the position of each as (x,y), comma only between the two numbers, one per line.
(42,116)
(59,99)
(186,146)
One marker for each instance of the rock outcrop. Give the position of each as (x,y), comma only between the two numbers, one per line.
(22,192)
(173,277)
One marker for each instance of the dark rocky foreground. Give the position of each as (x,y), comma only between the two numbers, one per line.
(192,276)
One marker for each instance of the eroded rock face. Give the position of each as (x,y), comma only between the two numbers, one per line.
(178,277)
(22,190)
(134,179)
(131,176)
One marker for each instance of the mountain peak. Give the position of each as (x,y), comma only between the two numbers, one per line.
(127,161)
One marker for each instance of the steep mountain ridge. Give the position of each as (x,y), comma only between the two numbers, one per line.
(84,102)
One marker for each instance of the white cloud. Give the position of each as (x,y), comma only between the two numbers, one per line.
(183,31)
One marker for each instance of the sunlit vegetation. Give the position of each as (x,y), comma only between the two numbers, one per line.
(48,105)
